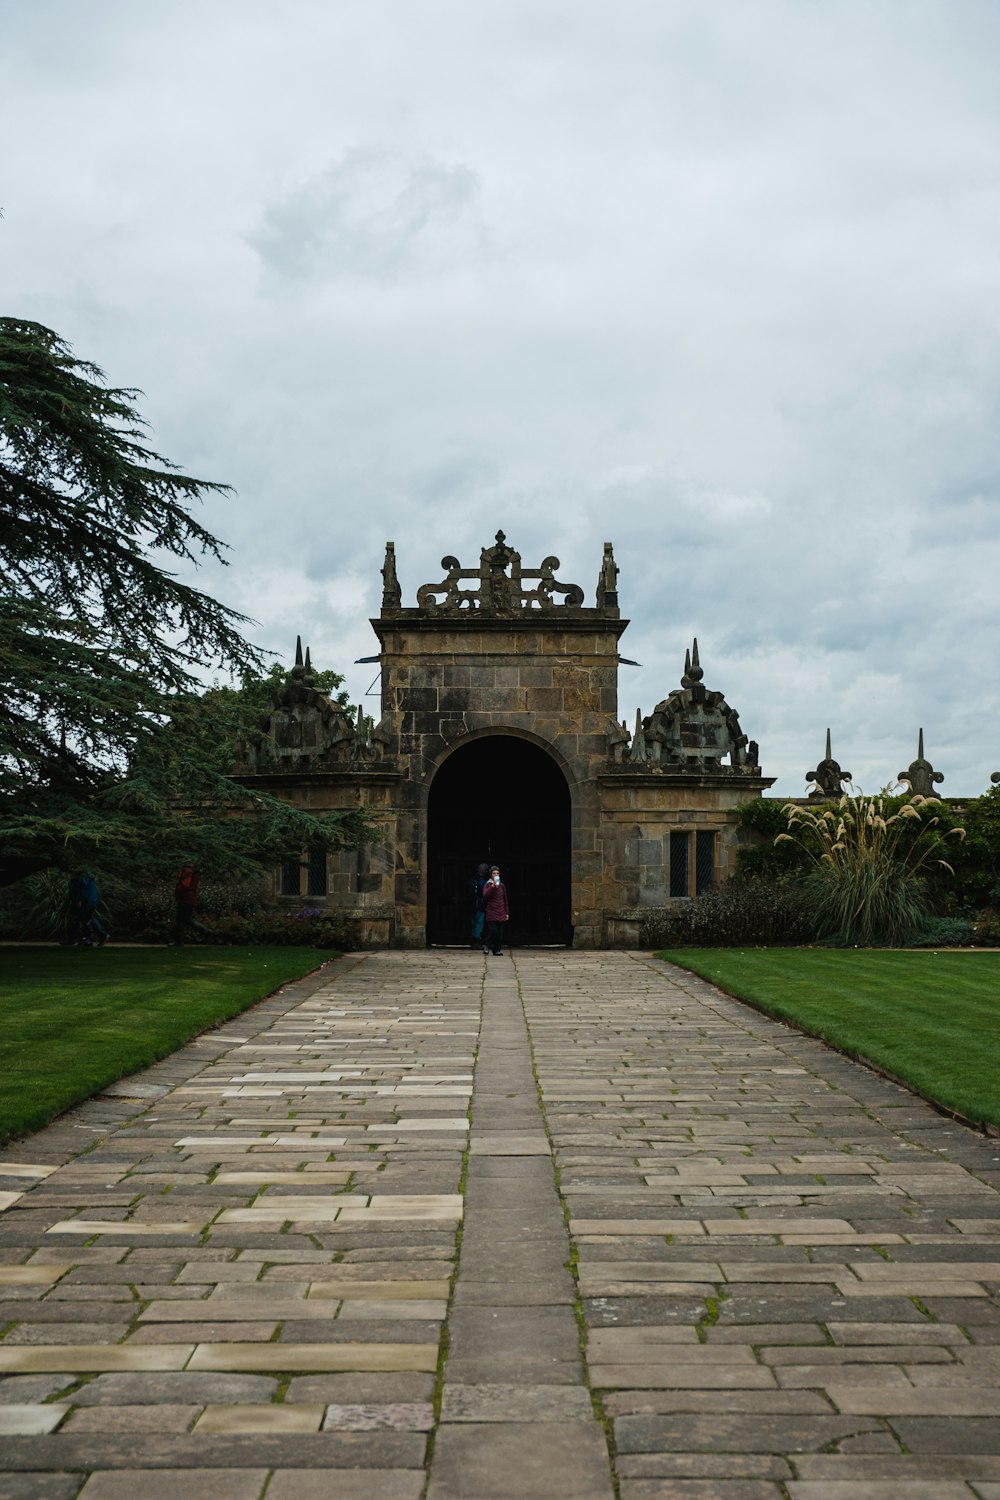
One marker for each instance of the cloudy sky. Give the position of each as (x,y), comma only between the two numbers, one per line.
(715,280)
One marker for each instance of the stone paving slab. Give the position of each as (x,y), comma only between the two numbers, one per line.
(771,1273)
(245,1484)
(480,1461)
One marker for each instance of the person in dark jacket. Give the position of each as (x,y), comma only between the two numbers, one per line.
(83,899)
(496,909)
(478,914)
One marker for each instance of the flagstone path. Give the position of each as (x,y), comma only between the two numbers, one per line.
(682,1253)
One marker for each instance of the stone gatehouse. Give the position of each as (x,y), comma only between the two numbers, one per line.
(499,739)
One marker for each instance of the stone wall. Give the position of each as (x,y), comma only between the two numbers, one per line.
(446,681)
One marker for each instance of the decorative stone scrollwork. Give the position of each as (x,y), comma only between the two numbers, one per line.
(454,597)
(306,731)
(828,776)
(503,585)
(921,776)
(693,730)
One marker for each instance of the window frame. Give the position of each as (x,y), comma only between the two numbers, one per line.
(691,838)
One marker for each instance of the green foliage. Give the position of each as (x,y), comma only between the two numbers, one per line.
(986,928)
(763,858)
(867,856)
(308,927)
(945,932)
(866,906)
(978,868)
(94,631)
(36,907)
(763,815)
(112,756)
(145,912)
(741,911)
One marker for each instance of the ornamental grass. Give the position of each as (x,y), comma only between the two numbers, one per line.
(868,864)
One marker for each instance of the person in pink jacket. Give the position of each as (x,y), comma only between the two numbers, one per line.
(496,911)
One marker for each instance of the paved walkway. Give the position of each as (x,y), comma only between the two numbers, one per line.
(701,1257)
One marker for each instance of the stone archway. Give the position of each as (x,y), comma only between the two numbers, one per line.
(503,800)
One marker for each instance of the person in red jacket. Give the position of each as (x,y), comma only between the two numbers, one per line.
(496,911)
(186,899)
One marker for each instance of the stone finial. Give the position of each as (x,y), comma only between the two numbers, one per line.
(995,777)
(618,738)
(370,741)
(607,580)
(362,748)
(921,776)
(392,597)
(299,668)
(308,678)
(638,754)
(693,670)
(497,594)
(828,776)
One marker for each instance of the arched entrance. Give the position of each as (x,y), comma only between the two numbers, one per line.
(502,800)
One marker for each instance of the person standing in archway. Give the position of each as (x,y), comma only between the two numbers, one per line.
(496,910)
(478,911)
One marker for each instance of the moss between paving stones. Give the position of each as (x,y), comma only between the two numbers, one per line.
(930,1019)
(75,1019)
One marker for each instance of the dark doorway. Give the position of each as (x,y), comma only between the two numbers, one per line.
(505,801)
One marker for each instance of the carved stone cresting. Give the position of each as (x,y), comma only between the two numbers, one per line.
(828,776)
(692,730)
(392,597)
(921,776)
(306,730)
(639,753)
(502,585)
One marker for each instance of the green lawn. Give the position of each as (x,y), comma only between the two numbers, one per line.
(75,1019)
(931,1019)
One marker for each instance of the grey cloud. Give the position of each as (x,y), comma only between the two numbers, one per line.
(374,213)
